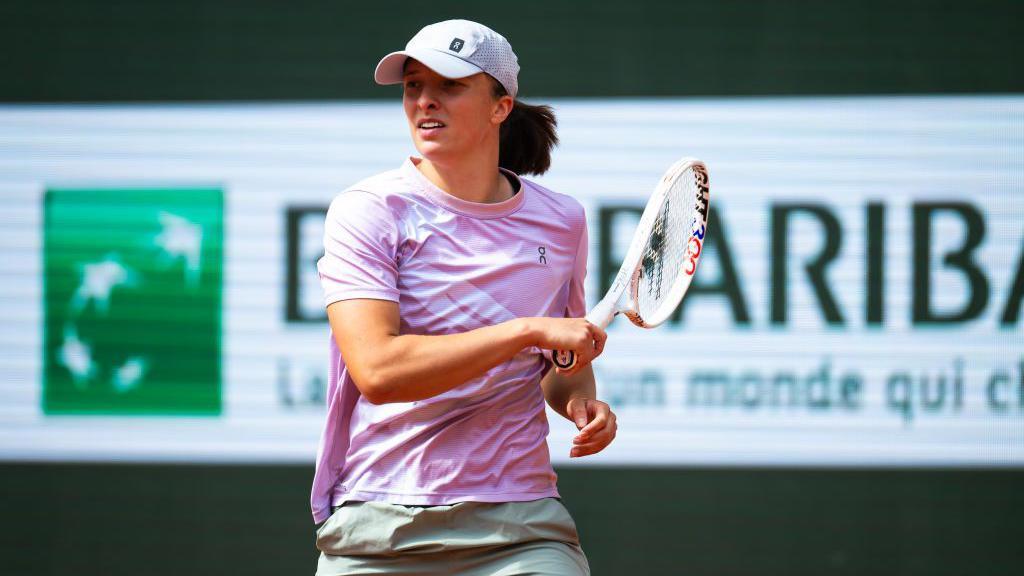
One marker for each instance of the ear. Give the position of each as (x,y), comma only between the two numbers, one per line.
(502,108)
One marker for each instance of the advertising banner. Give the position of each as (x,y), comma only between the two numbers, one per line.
(858,302)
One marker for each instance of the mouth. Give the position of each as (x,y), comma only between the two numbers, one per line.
(430,125)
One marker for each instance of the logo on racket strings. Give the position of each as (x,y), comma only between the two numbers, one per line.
(701,179)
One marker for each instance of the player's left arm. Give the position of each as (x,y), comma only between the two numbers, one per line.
(575,398)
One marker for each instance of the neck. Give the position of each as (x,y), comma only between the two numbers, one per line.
(475,178)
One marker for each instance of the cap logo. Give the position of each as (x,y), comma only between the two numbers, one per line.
(456,44)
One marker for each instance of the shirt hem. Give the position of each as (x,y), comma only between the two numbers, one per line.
(439,499)
(321,514)
(391,296)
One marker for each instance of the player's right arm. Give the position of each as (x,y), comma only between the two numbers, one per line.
(359,275)
(389,367)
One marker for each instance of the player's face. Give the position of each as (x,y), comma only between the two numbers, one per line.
(465,107)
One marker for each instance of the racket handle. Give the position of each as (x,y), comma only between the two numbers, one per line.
(564,359)
(601,315)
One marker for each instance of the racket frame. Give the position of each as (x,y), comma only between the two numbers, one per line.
(628,275)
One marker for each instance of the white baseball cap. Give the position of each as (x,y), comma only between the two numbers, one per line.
(455,49)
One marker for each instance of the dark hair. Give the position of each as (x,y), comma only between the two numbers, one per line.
(527,136)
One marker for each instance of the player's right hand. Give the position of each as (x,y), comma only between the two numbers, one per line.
(570,334)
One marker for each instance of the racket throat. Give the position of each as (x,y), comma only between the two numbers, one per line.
(603,313)
(634,317)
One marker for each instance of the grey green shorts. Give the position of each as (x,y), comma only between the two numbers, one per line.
(474,538)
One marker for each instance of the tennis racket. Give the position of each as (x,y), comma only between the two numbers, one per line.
(662,257)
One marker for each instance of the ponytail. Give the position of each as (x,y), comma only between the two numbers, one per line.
(527,137)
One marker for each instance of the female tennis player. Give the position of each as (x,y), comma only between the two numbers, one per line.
(448,281)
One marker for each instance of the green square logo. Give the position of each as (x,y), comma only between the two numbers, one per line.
(132,301)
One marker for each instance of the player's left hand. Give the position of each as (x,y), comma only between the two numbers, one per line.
(596,423)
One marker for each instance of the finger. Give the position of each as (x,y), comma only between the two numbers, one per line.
(599,335)
(578,412)
(605,434)
(597,338)
(590,352)
(596,444)
(599,422)
(589,448)
(584,357)
(603,413)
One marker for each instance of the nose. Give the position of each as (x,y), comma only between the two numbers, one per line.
(427,100)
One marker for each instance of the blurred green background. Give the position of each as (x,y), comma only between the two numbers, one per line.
(190,50)
(215,519)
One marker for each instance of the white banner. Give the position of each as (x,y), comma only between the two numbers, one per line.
(859,302)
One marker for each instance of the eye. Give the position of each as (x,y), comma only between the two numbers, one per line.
(450,82)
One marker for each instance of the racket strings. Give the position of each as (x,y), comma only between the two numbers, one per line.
(665,257)
(652,264)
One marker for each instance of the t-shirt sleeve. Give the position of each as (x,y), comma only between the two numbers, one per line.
(577,304)
(360,249)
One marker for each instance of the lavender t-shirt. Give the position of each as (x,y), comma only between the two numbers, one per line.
(452,266)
